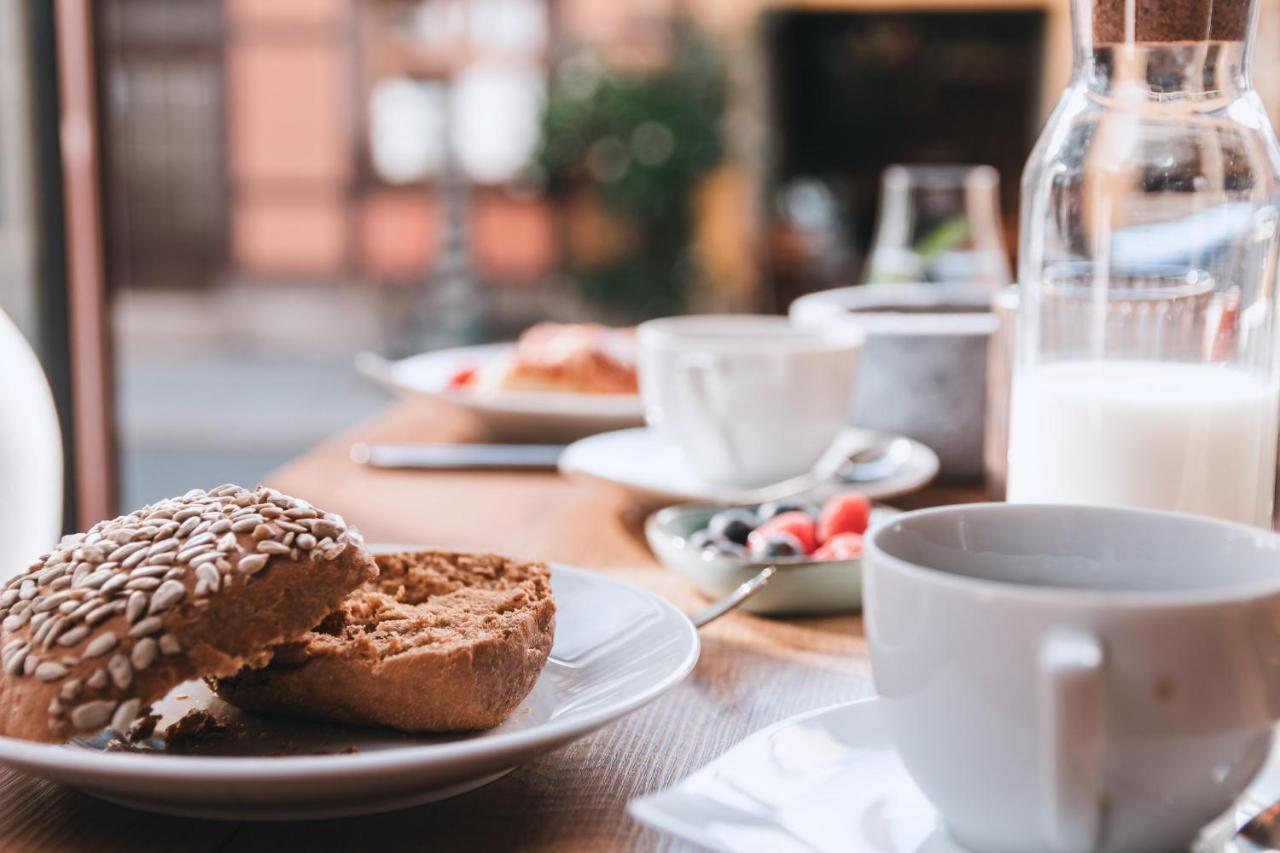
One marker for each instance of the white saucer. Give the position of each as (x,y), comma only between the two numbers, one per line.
(616,648)
(516,415)
(655,471)
(829,780)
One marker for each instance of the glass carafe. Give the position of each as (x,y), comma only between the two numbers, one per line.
(1146,370)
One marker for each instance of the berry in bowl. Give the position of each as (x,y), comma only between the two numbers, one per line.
(817,549)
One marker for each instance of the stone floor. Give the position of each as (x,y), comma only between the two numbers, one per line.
(226,385)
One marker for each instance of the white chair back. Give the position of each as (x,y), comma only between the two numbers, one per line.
(30,456)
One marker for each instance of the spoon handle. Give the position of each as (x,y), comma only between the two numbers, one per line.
(744,591)
(1261,832)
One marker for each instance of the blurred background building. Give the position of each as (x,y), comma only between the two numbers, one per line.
(283,184)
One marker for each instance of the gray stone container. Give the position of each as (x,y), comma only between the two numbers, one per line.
(923,370)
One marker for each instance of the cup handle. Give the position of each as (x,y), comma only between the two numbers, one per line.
(697,372)
(1071,752)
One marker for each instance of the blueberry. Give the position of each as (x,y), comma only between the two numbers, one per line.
(777,545)
(699,539)
(733,524)
(772,508)
(721,547)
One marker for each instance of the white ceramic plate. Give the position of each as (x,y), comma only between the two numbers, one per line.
(516,415)
(617,647)
(829,780)
(801,587)
(655,472)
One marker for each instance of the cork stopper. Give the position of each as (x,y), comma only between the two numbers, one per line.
(1171,20)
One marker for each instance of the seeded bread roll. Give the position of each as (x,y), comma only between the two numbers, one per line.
(441,641)
(112,619)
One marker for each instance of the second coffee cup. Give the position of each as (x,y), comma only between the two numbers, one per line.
(749,399)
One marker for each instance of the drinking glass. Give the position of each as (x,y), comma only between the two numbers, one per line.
(1146,369)
(939,224)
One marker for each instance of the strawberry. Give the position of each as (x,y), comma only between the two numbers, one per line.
(848,512)
(462,379)
(842,546)
(797,524)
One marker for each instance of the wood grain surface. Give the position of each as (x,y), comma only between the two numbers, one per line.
(753,672)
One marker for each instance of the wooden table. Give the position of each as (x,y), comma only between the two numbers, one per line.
(752,672)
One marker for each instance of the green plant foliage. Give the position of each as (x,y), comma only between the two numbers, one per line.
(640,143)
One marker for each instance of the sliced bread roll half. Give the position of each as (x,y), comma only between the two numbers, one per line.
(440,641)
(201,585)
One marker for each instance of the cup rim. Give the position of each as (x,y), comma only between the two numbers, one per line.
(676,331)
(1093,598)
(849,306)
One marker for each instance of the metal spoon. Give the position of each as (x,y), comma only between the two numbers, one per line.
(877,461)
(881,459)
(1261,833)
(745,590)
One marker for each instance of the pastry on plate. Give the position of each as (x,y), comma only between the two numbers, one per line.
(584,358)
(440,641)
(111,619)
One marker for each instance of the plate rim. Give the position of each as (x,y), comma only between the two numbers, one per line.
(569,466)
(33,754)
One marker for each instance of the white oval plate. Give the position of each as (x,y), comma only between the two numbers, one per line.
(655,472)
(522,415)
(616,648)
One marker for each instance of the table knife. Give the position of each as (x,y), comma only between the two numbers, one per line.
(435,457)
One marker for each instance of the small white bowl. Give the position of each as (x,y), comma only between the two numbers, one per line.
(802,585)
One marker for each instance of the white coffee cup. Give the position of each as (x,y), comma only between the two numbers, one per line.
(749,399)
(1075,678)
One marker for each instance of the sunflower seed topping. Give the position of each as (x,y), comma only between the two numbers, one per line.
(142,566)
(13,663)
(115,584)
(252,564)
(169,594)
(144,584)
(101,644)
(150,625)
(246,524)
(208,574)
(144,653)
(92,715)
(50,671)
(125,715)
(163,546)
(54,629)
(101,613)
(271,546)
(151,570)
(136,607)
(121,671)
(75,635)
